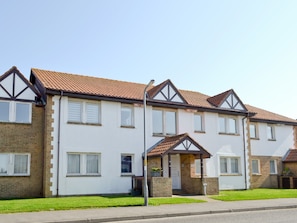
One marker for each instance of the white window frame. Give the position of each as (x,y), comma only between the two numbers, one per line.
(11,164)
(164,122)
(256,162)
(274,163)
(253,130)
(271,132)
(132,164)
(227,125)
(83,164)
(201,124)
(229,170)
(12,116)
(131,115)
(83,116)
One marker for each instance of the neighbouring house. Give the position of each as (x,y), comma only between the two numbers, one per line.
(92,138)
(21,137)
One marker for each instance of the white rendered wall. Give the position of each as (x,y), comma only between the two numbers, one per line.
(264,147)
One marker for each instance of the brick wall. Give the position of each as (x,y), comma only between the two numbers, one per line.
(191,183)
(160,187)
(47,175)
(265,179)
(24,138)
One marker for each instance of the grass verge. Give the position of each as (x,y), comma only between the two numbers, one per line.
(69,203)
(256,194)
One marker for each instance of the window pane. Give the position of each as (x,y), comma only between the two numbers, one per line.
(222,124)
(157,122)
(3,163)
(223,165)
(232,125)
(126,164)
(74,111)
(270,134)
(20,164)
(197,122)
(4,114)
(197,166)
(252,131)
(92,111)
(126,116)
(22,113)
(170,123)
(255,166)
(92,164)
(273,166)
(73,165)
(234,165)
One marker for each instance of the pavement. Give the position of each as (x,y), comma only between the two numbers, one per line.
(211,206)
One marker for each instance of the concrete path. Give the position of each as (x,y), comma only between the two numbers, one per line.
(132,213)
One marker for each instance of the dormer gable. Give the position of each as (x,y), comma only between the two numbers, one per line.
(167,92)
(14,86)
(227,100)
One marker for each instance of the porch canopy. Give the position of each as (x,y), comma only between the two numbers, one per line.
(178,144)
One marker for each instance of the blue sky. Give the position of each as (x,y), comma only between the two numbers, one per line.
(206,46)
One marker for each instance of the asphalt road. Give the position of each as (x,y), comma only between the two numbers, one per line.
(271,216)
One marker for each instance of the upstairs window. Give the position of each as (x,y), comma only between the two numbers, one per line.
(228,125)
(164,122)
(198,122)
(127,116)
(270,132)
(84,112)
(14,164)
(253,131)
(18,112)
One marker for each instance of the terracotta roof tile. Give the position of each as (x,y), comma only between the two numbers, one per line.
(218,99)
(59,81)
(262,114)
(170,142)
(291,156)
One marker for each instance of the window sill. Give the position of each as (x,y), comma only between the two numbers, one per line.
(83,175)
(230,134)
(162,135)
(127,174)
(81,123)
(256,174)
(127,127)
(16,123)
(15,175)
(272,140)
(255,138)
(230,175)
(199,131)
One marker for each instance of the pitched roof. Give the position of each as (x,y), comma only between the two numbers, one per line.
(291,156)
(59,81)
(218,99)
(94,86)
(169,143)
(264,115)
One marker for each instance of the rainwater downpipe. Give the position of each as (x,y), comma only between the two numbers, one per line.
(244,152)
(59,137)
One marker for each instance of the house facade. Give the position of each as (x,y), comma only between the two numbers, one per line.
(92,137)
(21,138)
